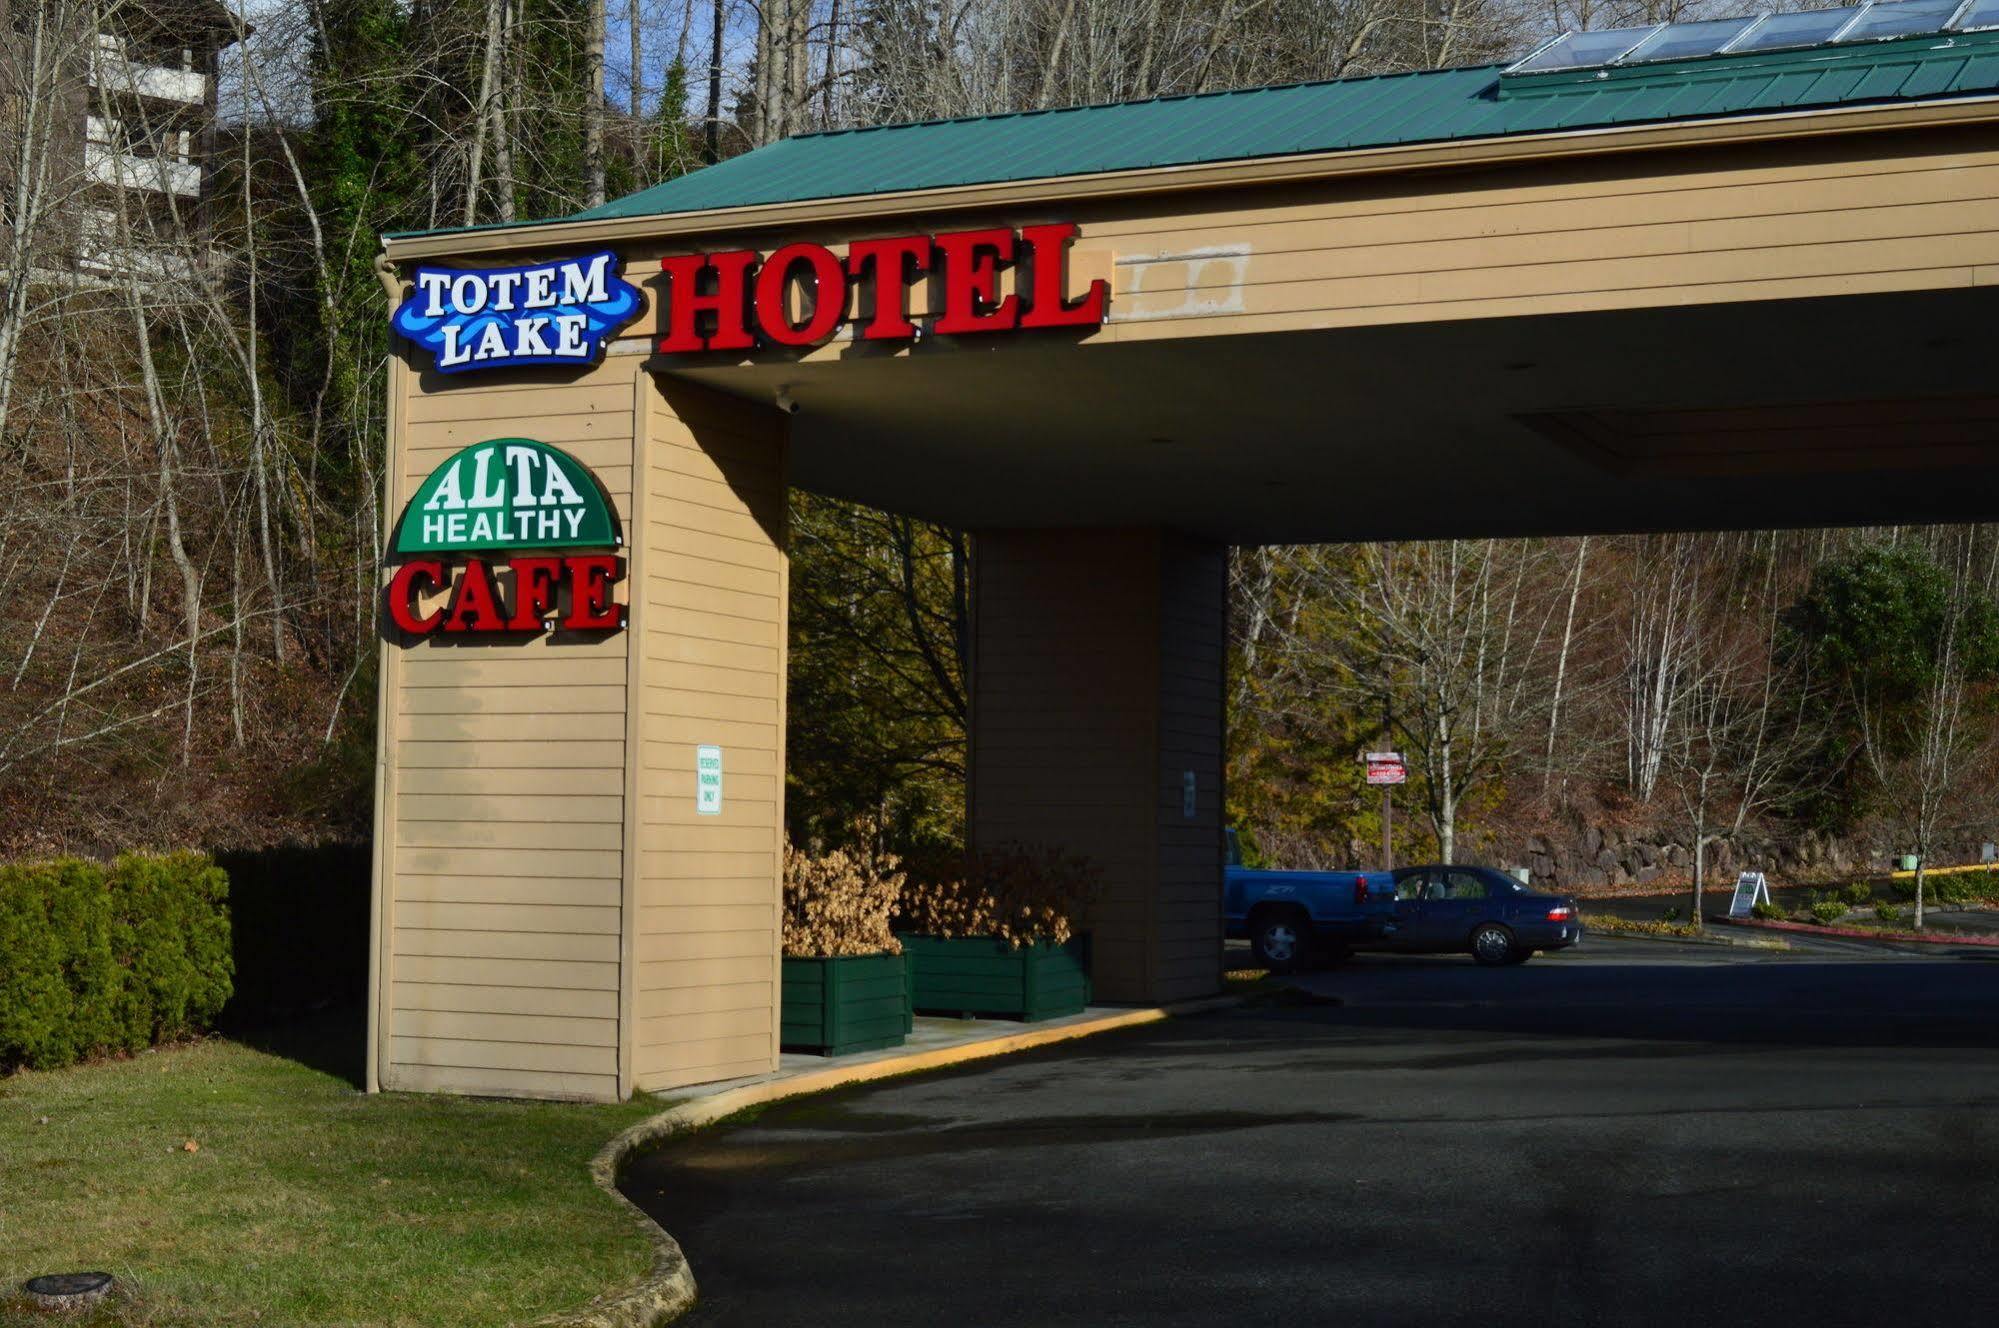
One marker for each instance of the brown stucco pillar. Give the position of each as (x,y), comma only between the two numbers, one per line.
(1096,692)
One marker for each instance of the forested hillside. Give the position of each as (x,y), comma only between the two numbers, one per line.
(192,469)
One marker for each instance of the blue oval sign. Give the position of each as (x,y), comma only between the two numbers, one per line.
(497,318)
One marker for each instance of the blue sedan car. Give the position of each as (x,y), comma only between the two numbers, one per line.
(1481,912)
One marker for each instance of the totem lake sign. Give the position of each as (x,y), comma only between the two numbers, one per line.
(497,318)
(516,496)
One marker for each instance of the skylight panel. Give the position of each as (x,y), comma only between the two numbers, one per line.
(1978,14)
(1583,50)
(1684,41)
(1808,28)
(1902,18)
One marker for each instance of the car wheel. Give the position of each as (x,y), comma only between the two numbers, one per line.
(1280,942)
(1492,945)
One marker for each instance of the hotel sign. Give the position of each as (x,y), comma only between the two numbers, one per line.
(799,295)
(500,318)
(518,497)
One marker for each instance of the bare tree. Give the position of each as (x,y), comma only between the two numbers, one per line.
(1448,654)
(1746,716)
(593,109)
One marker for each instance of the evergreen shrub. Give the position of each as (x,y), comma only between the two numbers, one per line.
(1953,891)
(97,959)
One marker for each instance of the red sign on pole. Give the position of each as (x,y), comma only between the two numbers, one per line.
(1386,768)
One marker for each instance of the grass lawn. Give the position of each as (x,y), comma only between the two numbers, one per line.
(305,1202)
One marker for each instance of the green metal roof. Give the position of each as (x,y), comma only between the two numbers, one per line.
(1343,114)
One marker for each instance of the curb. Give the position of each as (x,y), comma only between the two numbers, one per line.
(1859,933)
(1723,942)
(668,1291)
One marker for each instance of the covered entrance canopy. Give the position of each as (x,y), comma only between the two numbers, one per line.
(1741,286)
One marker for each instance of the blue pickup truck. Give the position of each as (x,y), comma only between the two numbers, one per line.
(1294,917)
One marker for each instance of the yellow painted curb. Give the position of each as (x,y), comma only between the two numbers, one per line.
(697,1112)
(668,1291)
(1945,871)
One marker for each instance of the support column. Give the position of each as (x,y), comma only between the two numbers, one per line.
(559,911)
(712,585)
(1096,698)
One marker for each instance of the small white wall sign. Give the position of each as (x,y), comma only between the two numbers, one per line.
(708,781)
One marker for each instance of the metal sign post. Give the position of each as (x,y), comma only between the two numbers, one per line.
(1387,770)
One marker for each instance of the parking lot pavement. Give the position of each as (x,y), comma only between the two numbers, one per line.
(1719,1139)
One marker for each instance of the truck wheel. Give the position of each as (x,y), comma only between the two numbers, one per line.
(1281,942)
(1492,945)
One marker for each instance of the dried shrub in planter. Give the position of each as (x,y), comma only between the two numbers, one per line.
(837,904)
(1020,893)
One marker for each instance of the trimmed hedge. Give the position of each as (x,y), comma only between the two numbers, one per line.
(98,959)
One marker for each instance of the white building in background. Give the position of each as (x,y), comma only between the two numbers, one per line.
(135,106)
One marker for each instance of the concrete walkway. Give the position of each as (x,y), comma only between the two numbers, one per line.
(933,1043)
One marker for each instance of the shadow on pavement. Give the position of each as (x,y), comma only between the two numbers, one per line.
(1893,1002)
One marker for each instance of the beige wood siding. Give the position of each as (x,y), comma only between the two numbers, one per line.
(1892,212)
(712,624)
(1187,928)
(501,818)
(1750,221)
(1097,684)
(1065,720)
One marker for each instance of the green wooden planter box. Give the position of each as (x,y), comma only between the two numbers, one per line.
(835,1006)
(983,975)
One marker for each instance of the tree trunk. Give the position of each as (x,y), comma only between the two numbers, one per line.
(505,100)
(1562,660)
(593,110)
(1700,874)
(767,21)
(797,65)
(712,129)
(483,115)
(638,64)
(832,48)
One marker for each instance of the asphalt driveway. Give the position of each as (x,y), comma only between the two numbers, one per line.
(1634,1133)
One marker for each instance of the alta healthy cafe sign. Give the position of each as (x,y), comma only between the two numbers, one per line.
(498,318)
(739,299)
(513,496)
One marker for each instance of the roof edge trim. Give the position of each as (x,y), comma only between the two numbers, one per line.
(1809,123)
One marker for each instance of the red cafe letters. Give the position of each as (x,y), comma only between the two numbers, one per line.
(727,301)
(478,604)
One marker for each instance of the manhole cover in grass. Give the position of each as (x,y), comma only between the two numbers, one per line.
(62,1291)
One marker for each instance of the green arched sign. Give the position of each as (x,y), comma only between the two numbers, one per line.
(507,493)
